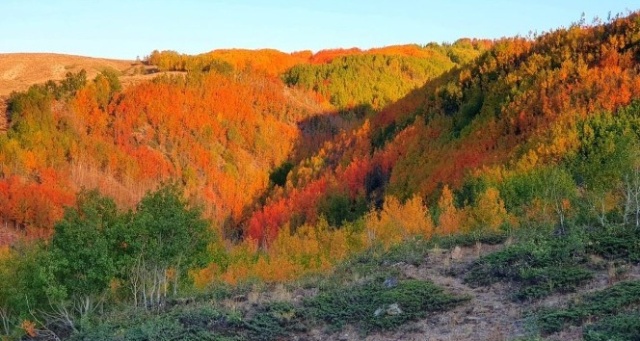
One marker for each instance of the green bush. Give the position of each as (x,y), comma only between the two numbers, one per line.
(617,242)
(358,304)
(621,327)
(539,268)
(181,323)
(599,304)
(274,321)
(539,283)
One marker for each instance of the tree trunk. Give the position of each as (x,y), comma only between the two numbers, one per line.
(4,317)
(175,282)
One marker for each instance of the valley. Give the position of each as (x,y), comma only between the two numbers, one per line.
(474,190)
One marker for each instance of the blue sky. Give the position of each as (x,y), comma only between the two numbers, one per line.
(126,29)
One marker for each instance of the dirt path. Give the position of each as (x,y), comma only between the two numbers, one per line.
(489,315)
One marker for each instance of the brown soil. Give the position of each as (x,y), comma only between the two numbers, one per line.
(489,315)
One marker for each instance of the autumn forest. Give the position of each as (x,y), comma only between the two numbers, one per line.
(259,166)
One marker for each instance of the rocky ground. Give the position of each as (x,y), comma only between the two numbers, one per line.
(490,314)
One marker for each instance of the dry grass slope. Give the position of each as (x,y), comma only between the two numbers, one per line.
(4,118)
(20,70)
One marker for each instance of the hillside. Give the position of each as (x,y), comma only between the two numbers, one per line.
(394,193)
(219,129)
(462,288)
(520,107)
(18,71)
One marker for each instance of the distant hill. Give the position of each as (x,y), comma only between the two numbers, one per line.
(20,70)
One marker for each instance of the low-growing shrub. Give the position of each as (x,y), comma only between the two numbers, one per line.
(621,327)
(599,304)
(365,305)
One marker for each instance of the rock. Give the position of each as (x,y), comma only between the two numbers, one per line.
(456,253)
(509,241)
(390,282)
(480,309)
(394,309)
(240,298)
(391,310)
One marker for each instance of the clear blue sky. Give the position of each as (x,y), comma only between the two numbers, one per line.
(129,28)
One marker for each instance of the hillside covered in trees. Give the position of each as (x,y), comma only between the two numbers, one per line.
(238,168)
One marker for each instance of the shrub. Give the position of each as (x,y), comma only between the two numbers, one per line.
(358,304)
(601,303)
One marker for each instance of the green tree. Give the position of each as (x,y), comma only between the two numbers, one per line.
(279,175)
(72,83)
(606,157)
(81,258)
(560,192)
(25,284)
(168,238)
(339,209)
(107,85)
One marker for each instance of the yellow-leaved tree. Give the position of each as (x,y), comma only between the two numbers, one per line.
(489,211)
(397,222)
(450,217)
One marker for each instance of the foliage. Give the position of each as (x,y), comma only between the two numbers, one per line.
(226,61)
(279,175)
(95,249)
(24,282)
(124,143)
(616,328)
(607,142)
(449,217)
(184,323)
(522,132)
(68,86)
(339,209)
(601,303)
(358,304)
(274,321)
(366,79)
(398,222)
(521,99)
(168,232)
(163,240)
(616,243)
(539,268)
(82,256)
